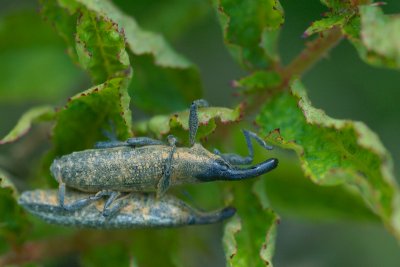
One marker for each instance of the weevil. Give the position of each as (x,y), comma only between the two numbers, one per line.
(135,210)
(143,164)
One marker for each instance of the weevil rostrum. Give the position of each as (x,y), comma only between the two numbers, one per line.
(115,168)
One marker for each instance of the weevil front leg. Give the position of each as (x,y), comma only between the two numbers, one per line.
(235,159)
(194,119)
(165,180)
(76,205)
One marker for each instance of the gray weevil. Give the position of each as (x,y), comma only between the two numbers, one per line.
(134,210)
(143,164)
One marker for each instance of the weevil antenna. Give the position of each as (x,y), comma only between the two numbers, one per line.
(194,119)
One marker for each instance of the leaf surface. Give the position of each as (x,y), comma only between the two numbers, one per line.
(165,69)
(249,237)
(334,152)
(101,47)
(103,107)
(251,30)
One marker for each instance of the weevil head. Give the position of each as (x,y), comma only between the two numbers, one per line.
(55,169)
(219,169)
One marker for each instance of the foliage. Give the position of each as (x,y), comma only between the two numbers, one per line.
(349,173)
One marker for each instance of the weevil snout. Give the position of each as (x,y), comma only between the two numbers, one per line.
(220,170)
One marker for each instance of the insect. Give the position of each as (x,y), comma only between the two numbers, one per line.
(135,210)
(143,164)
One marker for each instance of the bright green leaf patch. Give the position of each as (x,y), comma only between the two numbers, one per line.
(343,6)
(251,30)
(102,107)
(34,115)
(325,24)
(249,237)
(334,151)
(178,123)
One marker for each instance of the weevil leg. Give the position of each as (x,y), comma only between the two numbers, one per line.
(165,180)
(115,206)
(239,160)
(194,119)
(61,193)
(143,141)
(78,204)
(133,142)
(112,196)
(110,144)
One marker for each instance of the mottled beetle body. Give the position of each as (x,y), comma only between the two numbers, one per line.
(137,210)
(115,168)
(128,169)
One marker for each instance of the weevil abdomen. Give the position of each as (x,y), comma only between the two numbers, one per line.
(139,210)
(130,169)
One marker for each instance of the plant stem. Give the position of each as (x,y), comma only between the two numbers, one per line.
(311,54)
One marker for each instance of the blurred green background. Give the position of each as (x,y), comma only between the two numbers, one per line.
(35,69)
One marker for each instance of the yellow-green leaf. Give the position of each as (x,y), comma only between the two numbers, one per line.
(34,115)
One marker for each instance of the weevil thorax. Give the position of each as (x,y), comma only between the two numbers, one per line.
(192,162)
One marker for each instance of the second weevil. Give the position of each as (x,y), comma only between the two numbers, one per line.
(143,164)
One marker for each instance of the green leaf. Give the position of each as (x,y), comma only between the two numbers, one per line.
(101,47)
(380,36)
(13,222)
(62,15)
(249,237)
(153,85)
(259,81)
(172,19)
(34,115)
(251,30)
(178,123)
(293,195)
(101,107)
(325,24)
(168,66)
(334,152)
(342,6)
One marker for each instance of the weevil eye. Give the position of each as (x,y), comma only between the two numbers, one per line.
(223,165)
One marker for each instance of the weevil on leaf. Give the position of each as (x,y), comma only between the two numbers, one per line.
(135,210)
(143,164)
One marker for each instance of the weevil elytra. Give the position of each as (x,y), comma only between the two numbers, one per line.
(143,164)
(136,210)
